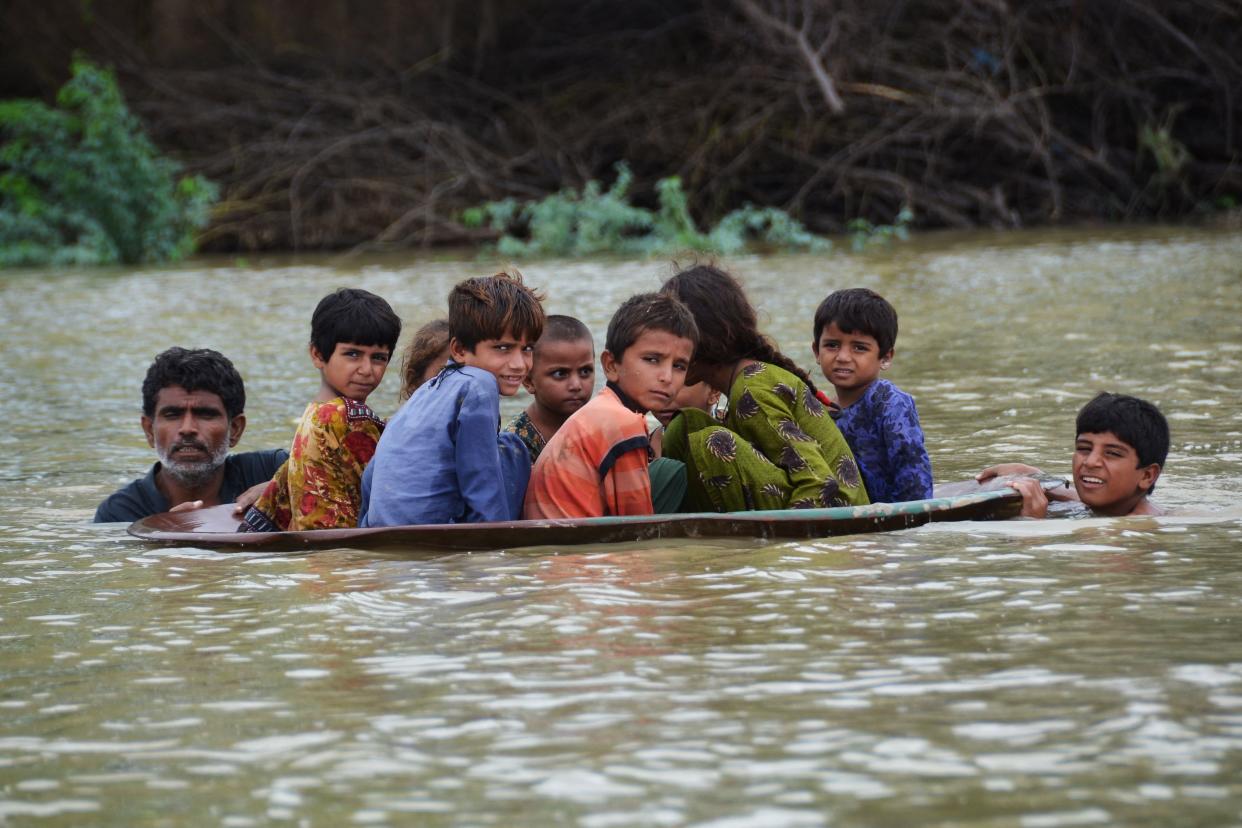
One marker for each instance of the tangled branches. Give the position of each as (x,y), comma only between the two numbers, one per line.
(969,112)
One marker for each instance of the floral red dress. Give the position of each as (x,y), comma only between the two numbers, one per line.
(320,485)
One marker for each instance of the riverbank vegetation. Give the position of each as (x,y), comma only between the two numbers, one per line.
(383,128)
(80,183)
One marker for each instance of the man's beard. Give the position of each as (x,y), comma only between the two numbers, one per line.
(192,474)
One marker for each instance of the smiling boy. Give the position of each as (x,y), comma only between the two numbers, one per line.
(353,333)
(441,459)
(855,331)
(597,463)
(562,377)
(1119,452)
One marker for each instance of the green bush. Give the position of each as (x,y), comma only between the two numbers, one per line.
(82,184)
(597,221)
(864,234)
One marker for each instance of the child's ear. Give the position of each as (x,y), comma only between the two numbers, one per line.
(612,369)
(316,357)
(527,384)
(815,347)
(886,360)
(1148,476)
(457,352)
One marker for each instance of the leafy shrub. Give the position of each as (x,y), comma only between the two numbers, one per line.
(864,234)
(598,221)
(82,184)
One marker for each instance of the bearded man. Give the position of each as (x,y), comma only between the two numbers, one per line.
(193,412)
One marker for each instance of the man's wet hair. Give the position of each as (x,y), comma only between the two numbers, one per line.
(198,369)
(1136,421)
(560,328)
(488,307)
(353,315)
(858,310)
(649,312)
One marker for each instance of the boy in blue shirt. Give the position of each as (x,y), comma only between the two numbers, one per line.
(855,331)
(442,458)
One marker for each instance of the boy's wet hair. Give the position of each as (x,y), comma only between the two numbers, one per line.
(198,369)
(649,312)
(1135,421)
(858,310)
(488,307)
(429,342)
(561,328)
(353,315)
(728,320)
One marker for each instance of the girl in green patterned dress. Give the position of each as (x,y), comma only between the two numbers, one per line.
(778,448)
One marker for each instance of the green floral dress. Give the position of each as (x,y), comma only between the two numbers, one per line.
(777,449)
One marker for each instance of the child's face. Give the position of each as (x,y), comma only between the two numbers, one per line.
(507,359)
(563,375)
(1107,474)
(850,361)
(353,370)
(434,367)
(652,370)
(699,395)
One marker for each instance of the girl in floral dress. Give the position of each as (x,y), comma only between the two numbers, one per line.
(778,447)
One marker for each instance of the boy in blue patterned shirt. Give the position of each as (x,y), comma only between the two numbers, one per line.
(855,331)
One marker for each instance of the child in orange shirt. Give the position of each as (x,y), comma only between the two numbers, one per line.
(597,463)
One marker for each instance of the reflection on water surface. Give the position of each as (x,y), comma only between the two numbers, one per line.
(1020,673)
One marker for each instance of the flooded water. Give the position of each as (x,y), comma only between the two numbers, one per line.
(995,674)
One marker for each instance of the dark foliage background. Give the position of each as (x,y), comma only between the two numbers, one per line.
(372,125)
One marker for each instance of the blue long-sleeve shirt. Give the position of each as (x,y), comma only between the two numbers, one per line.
(882,428)
(442,460)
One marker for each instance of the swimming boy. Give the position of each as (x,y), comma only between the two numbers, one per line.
(442,458)
(1119,452)
(353,333)
(855,331)
(562,377)
(597,463)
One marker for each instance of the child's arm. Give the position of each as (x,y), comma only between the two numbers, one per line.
(803,457)
(480,476)
(627,485)
(906,462)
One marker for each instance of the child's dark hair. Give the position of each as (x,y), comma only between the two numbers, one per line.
(858,310)
(488,307)
(561,328)
(353,315)
(648,312)
(200,369)
(1135,421)
(428,343)
(720,308)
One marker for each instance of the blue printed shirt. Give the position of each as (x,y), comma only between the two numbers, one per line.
(442,460)
(882,428)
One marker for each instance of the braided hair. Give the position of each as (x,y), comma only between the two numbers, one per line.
(728,324)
